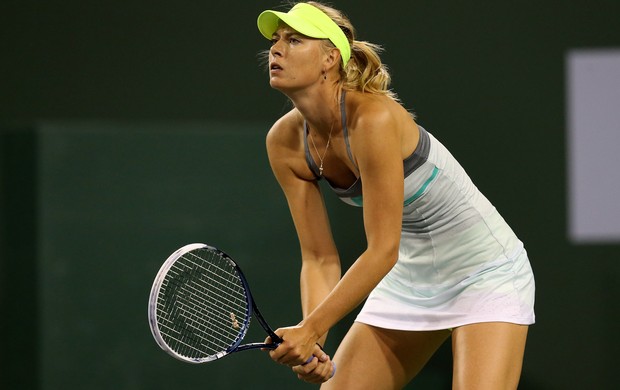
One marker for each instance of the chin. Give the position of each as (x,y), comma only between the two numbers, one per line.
(287,88)
(277,84)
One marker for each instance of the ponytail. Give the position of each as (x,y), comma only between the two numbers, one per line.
(364,72)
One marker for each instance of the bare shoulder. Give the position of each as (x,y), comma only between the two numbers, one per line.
(285,148)
(285,132)
(369,111)
(378,118)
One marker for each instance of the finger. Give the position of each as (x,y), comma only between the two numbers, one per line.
(276,355)
(314,372)
(307,367)
(319,353)
(311,358)
(326,370)
(323,357)
(293,357)
(267,341)
(279,351)
(286,356)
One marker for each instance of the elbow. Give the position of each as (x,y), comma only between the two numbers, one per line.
(326,262)
(387,253)
(392,257)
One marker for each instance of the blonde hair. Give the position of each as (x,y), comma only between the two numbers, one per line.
(364,72)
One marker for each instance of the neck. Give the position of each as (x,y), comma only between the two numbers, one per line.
(320,107)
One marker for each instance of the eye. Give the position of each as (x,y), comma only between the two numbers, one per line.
(294,40)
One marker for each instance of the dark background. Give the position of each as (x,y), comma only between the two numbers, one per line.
(130,128)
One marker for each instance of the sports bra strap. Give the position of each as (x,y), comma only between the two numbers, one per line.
(345,132)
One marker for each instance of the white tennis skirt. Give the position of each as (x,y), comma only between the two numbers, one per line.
(436,287)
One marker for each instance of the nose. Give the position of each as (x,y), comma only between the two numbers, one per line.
(276,49)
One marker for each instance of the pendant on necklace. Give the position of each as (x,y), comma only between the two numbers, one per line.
(321,158)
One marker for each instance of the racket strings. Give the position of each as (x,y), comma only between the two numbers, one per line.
(202,306)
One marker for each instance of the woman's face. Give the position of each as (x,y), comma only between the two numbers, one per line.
(295,60)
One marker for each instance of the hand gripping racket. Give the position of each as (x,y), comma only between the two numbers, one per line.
(200,306)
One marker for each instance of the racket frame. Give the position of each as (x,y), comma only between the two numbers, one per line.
(251,309)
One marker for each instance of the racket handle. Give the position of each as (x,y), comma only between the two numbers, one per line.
(275,339)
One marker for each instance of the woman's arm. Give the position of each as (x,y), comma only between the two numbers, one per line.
(320,271)
(377,148)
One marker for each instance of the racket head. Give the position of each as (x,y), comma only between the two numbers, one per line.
(199,306)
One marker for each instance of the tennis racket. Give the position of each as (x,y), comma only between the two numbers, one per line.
(200,306)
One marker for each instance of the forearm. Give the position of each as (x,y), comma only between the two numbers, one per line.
(317,280)
(351,290)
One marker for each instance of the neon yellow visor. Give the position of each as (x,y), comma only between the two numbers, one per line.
(309,21)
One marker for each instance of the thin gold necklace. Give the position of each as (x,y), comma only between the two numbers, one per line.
(329,138)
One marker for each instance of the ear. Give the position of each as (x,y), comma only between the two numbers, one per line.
(332,58)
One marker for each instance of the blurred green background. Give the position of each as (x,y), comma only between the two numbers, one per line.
(128,129)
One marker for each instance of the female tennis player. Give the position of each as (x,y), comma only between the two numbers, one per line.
(440,261)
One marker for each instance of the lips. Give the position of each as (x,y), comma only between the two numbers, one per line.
(274,67)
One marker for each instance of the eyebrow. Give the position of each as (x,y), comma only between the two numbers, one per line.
(287,32)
